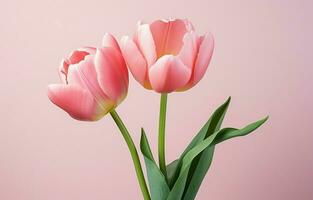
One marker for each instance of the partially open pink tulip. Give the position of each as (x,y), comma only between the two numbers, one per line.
(95,81)
(167,55)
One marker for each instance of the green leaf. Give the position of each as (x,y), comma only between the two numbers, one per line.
(212,125)
(178,189)
(231,132)
(201,170)
(157,183)
(206,159)
(171,168)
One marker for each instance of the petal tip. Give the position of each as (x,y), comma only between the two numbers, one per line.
(109,40)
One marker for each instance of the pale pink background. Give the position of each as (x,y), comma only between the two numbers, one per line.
(263,59)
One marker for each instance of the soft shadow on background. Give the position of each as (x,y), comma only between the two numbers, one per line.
(263,59)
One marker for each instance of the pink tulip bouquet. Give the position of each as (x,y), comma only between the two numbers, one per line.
(165,56)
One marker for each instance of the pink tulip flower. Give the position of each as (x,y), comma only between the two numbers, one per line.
(95,81)
(167,55)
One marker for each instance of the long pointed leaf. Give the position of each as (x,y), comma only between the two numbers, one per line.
(212,125)
(203,164)
(231,133)
(171,168)
(158,187)
(178,189)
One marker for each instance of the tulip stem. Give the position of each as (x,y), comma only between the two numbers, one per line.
(134,154)
(161,146)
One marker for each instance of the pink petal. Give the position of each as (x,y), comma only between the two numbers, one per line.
(80,54)
(77,56)
(109,41)
(169,74)
(146,44)
(203,58)
(63,69)
(88,76)
(74,77)
(189,25)
(168,36)
(74,58)
(75,101)
(189,50)
(112,73)
(134,59)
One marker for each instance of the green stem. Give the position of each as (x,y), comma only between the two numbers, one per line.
(134,154)
(161,141)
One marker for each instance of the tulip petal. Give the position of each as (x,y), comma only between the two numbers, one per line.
(109,41)
(74,77)
(80,54)
(77,56)
(112,73)
(189,25)
(146,44)
(74,58)
(203,59)
(63,70)
(75,101)
(87,73)
(189,50)
(168,74)
(168,35)
(135,61)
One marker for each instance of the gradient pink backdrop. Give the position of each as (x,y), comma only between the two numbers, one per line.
(263,59)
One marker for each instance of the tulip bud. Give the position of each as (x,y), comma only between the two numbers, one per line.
(167,55)
(94,80)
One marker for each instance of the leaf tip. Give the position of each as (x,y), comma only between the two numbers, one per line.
(228,101)
(265,119)
(142,138)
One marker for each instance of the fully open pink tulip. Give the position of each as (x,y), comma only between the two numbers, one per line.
(95,81)
(167,55)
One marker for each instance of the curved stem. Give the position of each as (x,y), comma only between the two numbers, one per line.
(162,120)
(134,154)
